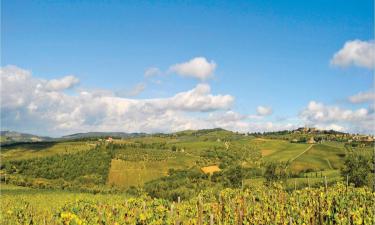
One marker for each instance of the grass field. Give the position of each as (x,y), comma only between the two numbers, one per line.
(278,150)
(316,157)
(320,157)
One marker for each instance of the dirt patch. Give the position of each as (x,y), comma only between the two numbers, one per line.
(266,152)
(261,139)
(210,169)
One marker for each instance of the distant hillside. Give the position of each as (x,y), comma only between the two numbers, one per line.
(8,137)
(302,130)
(306,134)
(103,134)
(203,132)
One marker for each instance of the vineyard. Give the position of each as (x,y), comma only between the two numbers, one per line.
(338,204)
(162,179)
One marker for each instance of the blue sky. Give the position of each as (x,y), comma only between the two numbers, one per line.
(274,54)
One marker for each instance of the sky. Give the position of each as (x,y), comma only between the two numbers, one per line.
(165,66)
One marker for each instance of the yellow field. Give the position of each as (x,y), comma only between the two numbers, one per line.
(210,169)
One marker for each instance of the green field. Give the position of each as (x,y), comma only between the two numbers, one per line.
(320,157)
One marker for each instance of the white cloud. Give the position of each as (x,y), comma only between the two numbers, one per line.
(324,116)
(332,126)
(152,71)
(200,99)
(356,52)
(32,104)
(62,84)
(197,67)
(368,96)
(264,110)
(234,121)
(136,90)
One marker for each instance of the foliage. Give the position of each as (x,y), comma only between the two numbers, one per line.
(358,167)
(88,167)
(275,171)
(259,205)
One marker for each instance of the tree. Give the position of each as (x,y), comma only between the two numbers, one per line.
(234,176)
(358,168)
(276,171)
(270,172)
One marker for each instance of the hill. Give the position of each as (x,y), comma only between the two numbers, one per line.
(166,164)
(8,137)
(102,135)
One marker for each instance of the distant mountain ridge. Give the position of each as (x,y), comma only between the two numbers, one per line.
(8,137)
(102,134)
(11,137)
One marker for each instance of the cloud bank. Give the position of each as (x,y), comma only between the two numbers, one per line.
(323,116)
(40,106)
(362,97)
(28,102)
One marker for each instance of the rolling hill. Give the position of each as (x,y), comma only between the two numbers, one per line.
(135,160)
(8,137)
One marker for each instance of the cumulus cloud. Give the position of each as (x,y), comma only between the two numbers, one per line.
(152,71)
(264,110)
(356,52)
(198,67)
(136,90)
(325,116)
(62,84)
(361,97)
(34,105)
(234,121)
(332,126)
(31,103)
(200,99)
